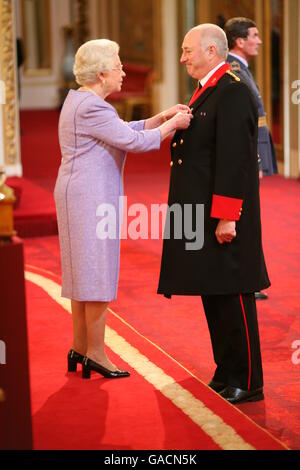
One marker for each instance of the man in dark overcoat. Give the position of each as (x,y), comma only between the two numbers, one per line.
(214,165)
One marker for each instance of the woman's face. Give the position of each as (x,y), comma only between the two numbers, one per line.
(114,78)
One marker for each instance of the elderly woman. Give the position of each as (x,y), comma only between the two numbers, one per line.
(94,142)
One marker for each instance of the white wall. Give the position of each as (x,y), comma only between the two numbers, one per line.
(286,93)
(167,91)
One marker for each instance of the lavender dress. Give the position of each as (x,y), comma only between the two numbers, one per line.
(94,142)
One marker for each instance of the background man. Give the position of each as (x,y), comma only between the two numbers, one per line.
(211,167)
(244,42)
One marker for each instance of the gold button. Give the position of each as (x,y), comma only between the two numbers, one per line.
(181,141)
(174,145)
(179,161)
(171,163)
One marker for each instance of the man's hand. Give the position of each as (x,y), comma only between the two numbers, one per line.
(225,231)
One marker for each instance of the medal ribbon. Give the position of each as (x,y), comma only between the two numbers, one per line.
(211,82)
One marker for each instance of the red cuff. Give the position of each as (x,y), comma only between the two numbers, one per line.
(227,208)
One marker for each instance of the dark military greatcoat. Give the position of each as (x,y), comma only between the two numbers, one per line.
(214,163)
(265,143)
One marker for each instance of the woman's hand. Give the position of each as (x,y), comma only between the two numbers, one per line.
(181,120)
(178,108)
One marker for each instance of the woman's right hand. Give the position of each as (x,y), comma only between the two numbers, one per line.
(181,120)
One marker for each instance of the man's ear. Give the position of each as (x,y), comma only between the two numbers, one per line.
(212,50)
(240,42)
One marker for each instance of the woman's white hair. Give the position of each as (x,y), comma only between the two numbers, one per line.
(94,57)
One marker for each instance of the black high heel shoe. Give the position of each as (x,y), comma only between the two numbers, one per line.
(74,358)
(88,365)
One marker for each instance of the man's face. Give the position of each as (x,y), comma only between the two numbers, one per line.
(195,59)
(251,45)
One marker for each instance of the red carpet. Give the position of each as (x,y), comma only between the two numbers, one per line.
(35,215)
(179,328)
(159,416)
(39,144)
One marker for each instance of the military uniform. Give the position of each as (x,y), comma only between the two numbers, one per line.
(265,146)
(214,163)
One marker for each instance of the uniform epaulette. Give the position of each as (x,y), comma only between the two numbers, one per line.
(235,66)
(233,75)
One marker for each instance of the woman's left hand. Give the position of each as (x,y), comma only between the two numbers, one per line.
(178,108)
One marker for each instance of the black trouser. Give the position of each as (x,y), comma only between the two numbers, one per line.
(233,327)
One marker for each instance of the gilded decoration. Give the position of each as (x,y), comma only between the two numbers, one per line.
(8,76)
(2,395)
(7,200)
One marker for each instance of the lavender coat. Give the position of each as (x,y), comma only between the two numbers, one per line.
(93,141)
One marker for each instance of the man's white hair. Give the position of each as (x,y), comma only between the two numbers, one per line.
(93,57)
(213,35)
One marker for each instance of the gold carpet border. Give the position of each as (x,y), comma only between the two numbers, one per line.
(194,376)
(220,432)
(42,270)
(155,345)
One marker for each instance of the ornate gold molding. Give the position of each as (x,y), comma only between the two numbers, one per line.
(8,76)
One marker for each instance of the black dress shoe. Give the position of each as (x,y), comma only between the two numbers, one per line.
(260,296)
(216,386)
(236,395)
(74,358)
(88,365)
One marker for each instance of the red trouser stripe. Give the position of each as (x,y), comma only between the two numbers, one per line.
(248,340)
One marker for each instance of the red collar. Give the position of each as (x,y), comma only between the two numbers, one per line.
(211,82)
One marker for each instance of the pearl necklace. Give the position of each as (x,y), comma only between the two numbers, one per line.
(86,88)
